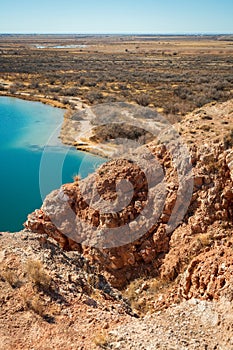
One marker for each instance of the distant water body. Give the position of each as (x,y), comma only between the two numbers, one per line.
(33,161)
(61,47)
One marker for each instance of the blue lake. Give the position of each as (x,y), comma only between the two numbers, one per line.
(33,160)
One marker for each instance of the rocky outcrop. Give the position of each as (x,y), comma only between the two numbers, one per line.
(210,275)
(111,240)
(210,213)
(153,215)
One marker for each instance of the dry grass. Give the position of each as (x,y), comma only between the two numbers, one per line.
(32,302)
(11,277)
(141,293)
(37,306)
(38,275)
(100,340)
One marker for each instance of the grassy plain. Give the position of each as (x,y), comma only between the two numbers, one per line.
(173,74)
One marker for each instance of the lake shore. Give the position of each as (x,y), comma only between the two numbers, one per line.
(73,133)
(36,98)
(65,138)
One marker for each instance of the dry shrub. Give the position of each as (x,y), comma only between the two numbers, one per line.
(100,340)
(37,306)
(11,277)
(33,303)
(37,274)
(143,100)
(141,293)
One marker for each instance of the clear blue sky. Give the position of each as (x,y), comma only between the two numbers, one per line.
(116,16)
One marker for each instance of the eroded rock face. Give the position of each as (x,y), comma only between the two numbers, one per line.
(118,217)
(78,215)
(210,214)
(209,275)
(229,160)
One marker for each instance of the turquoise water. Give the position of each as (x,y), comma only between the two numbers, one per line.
(33,160)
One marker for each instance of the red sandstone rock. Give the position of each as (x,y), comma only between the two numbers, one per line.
(67,216)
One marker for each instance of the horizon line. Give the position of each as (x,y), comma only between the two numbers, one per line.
(116,33)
